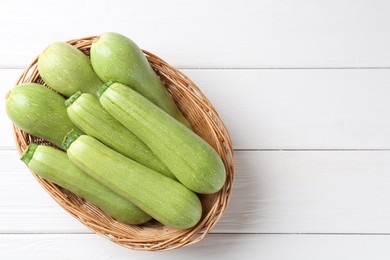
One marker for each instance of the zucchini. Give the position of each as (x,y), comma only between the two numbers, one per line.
(164,199)
(193,161)
(85,111)
(39,111)
(67,70)
(55,166)
(115,57)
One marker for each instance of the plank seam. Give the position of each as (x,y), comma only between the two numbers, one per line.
(250,68)
(11,148)
(315,150)
(213,233)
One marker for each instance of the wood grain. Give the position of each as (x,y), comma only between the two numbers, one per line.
(286,109)
(212,34)
(274,192)
(311,136)
(214,246)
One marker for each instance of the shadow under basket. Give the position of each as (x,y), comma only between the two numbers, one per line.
(151,236)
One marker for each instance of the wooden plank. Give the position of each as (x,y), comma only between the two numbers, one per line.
(287,109)
(214,246)
(274,192)
(301,109)
(210,34)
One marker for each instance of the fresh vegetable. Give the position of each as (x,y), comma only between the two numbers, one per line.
(85,111)
(161,197)
(194,162)
(67,70)
(117,58)
(55,166)
(39,111)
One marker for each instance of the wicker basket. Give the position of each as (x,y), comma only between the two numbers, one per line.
(151,236)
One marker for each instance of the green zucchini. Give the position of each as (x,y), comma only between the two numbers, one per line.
(85,111)
(67,70)
(164,199)
(194,162)
(55,166)
(39,111)
(115,57)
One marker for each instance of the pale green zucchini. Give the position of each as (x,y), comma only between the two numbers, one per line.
(67,70)
(164,199)
(55,166)
(85,111)
(115,57)
(194,162)
(39,111)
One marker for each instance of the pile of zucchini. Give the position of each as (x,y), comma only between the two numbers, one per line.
(125,145)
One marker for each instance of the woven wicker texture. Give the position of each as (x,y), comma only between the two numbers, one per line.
(151,236)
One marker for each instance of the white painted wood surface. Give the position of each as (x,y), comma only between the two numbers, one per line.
(215,246)
(220,33)
(290,109)
(285,192)
(303,87)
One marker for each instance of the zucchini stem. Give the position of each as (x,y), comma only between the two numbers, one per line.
(72,99)
(70,137)
(103,88)
(28,154)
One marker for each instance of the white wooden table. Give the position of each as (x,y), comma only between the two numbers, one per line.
(304,88)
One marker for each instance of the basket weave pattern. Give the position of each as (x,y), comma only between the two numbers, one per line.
(151,236)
